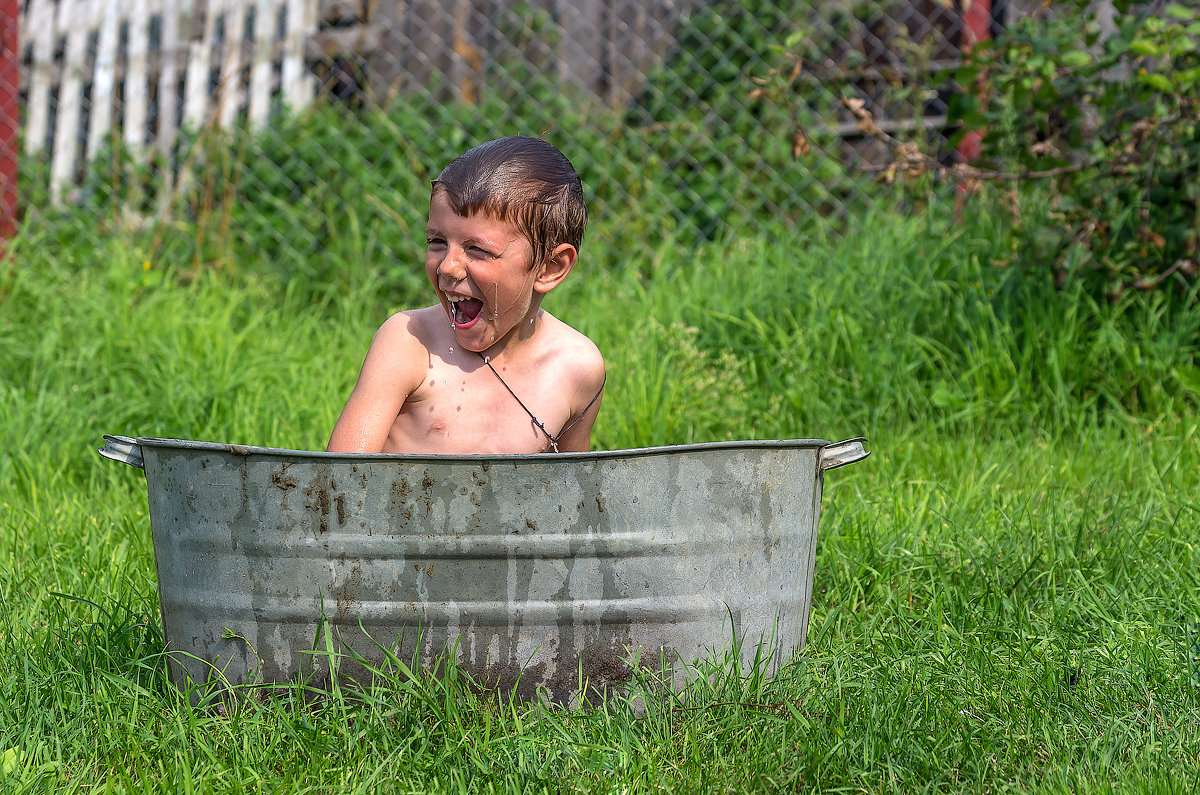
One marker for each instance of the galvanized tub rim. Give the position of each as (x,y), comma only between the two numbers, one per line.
(243,449)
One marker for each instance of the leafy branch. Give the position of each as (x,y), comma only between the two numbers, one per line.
(1097,127)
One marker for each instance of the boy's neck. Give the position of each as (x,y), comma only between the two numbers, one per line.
(516,338)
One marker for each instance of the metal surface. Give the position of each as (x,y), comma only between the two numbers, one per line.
(123,449)
(838,455)
(536,572)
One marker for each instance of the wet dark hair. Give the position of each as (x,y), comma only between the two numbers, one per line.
(522,181)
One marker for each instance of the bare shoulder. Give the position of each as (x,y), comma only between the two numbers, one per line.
(579,375)
(410,324)
(579,368)
(576,355)
(399,353)
(410,334)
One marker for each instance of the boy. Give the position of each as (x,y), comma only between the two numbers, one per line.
(485,370)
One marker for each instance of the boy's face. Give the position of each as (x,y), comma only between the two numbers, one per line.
(479,267)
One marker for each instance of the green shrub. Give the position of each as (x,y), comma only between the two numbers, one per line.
(1114,123)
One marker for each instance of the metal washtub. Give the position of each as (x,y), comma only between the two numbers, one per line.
(534,573)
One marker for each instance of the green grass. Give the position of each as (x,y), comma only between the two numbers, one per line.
(1007,594)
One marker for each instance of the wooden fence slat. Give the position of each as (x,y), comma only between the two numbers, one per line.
(640,35)
(627,26)
(265,12)
(580,54)
(75,20)
(229,89)
(39,27)
(426,26)
(103,79)
(196,87)
(137,80)
(464,52)
(168,75)
(297,81)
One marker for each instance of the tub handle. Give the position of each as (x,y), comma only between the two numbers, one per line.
(123,449)
(839,454)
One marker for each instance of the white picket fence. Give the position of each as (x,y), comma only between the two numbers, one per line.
(138,70)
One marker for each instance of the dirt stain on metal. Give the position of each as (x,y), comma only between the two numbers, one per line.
(426,486)
(244,472)
(347,594)
(602,669)
(285,483)
(321,506)
(399,498)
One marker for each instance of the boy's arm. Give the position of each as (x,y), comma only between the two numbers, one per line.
(384,383)
(578,436)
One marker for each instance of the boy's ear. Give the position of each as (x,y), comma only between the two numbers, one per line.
(556,267)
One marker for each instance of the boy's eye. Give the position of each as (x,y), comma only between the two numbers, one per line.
(434,241)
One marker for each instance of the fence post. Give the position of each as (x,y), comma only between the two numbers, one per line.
(10,114)
(976,26)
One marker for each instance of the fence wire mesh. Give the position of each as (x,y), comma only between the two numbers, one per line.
(298,118)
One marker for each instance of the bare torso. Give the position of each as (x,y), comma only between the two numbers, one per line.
(446,400)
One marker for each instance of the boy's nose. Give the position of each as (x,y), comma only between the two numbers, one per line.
(451,268)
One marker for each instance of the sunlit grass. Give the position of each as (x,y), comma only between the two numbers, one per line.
(1007,592)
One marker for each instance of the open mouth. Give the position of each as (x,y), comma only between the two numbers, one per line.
(464,311)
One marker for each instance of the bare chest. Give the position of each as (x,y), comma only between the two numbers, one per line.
(474,412)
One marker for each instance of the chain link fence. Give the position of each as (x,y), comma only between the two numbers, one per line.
(296,119)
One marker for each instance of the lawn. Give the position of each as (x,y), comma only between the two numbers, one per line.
(1007,596)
